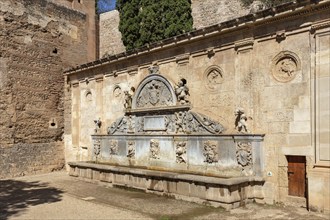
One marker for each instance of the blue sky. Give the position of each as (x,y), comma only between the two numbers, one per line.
(105,5)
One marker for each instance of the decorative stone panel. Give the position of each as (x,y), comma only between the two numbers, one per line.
(285,66)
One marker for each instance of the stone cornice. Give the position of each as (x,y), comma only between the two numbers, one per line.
(282,12)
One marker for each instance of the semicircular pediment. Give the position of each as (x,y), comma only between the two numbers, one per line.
(154,91)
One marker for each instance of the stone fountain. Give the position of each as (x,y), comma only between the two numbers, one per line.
(160,145)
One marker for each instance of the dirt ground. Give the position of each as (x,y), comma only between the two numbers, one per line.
(59,196)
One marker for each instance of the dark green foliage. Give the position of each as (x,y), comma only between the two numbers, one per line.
(268,3)
(147,21)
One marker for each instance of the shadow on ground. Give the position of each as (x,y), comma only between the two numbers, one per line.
(17,196)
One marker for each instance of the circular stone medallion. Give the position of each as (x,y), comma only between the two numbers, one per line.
(285,66)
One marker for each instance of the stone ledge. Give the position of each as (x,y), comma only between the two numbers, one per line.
(225,192)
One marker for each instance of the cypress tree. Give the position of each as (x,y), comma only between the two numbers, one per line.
(147,21)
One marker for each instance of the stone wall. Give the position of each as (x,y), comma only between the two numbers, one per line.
(266,66)
(206,13)
(110,36)
(39,40)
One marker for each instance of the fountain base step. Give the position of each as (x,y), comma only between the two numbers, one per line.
(228,193)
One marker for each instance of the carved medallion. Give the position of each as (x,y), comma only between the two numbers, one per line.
(89,96)
(211,151)
(97,147)
(154,149)
(244,156)
(117,91)
(213,77)
(285,66)
(113,147)
(181,151)
(130,149)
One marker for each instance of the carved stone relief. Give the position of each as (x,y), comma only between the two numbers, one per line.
(113,147)
(130,149)
(154,93)
(285,66)
(190,122)
(244,156)
(153,69)
(98,124)
(181,151)
(213,77)
(182,92)
(211,151)
(124,124)
(117,91)
(128,100)
(154,149)
(241,121)
(97,147)
(89,96)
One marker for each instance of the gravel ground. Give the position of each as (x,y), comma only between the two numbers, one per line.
(59,196)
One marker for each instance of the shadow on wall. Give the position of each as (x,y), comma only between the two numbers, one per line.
(17,196)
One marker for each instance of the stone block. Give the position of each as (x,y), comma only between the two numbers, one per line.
(183,188)
(155,185)
(199,191)
(299,140)
(304,150)
(138,182)
(96,175)
(119,179)
(300,127)
(283,176)
(302,114)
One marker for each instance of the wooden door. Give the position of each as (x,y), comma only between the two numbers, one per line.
(297,175)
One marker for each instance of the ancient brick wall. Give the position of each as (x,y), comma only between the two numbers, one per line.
(39,39)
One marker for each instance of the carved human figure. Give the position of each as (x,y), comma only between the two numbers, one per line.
(128,100)
(114,147)
(181,152)
(154,149)
(241,121)
(130,149)
(182,92)
(98,124)
(286,67)
(211,151)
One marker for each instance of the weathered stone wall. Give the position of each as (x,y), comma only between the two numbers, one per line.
(110,36)
(39,39)
(266,67)
(206,13)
